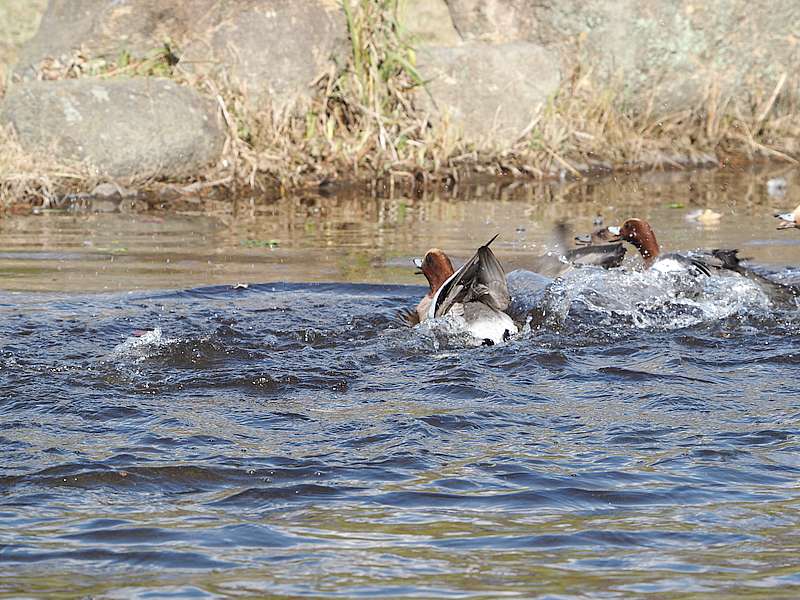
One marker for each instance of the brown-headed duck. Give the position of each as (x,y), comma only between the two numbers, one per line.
(791,220)
(639,234)
(477,293)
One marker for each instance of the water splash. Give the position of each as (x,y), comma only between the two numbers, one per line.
(650,299)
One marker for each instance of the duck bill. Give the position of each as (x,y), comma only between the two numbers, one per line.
(786,225)
(418,263)
(614,234)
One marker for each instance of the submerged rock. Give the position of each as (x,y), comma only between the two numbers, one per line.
(144,127)
(490,91)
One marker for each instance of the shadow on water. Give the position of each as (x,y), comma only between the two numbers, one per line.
(296,439)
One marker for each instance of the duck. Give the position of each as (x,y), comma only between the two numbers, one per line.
(477,293)
(596,249)
(640,235)
(791,220)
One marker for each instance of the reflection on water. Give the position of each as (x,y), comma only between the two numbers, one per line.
(358,238)
(189,440)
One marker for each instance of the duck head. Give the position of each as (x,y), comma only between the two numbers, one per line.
(638,233)
(437,268)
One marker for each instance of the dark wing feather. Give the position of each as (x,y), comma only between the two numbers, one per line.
(491,285)
(482,278)
(701,266)
(454,289)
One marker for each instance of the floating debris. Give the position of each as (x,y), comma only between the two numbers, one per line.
(260,243)
(776,187)
(704,216)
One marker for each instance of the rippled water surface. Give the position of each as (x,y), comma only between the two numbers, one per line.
(166,434)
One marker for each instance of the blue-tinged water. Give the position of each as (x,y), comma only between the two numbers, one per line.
(301,440)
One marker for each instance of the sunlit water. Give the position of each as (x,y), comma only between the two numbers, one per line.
(166,434)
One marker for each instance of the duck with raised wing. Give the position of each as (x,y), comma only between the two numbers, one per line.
(790,220)
(477,293)
(641,236)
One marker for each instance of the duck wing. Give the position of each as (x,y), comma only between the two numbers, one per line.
(690,261)
(480,279)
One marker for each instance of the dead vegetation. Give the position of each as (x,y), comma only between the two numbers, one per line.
(361,124)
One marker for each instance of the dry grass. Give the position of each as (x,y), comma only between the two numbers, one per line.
(361,124)
(28,179)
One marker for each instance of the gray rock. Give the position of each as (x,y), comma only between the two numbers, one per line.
(274,48)
(427,22)
(142,127)
(271,46)
(671,50)
(495,20)
(490,91)
(109,190)
(674,50)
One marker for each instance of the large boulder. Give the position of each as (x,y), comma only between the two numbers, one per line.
(274,47)
(19,20)
(141,127)
(490,91)
(495,20)
(427,22)
(667,50)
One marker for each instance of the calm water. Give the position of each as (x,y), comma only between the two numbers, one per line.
(165,435)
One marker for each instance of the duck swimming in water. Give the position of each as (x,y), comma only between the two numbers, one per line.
(639,234)
(597,248)
(477,293)
(790,220)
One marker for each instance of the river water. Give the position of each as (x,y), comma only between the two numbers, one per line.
(167,433)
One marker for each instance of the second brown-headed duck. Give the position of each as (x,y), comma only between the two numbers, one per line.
(641,236)
(477,293)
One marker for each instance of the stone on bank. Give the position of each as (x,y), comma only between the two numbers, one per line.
(491,92)
(141,127)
